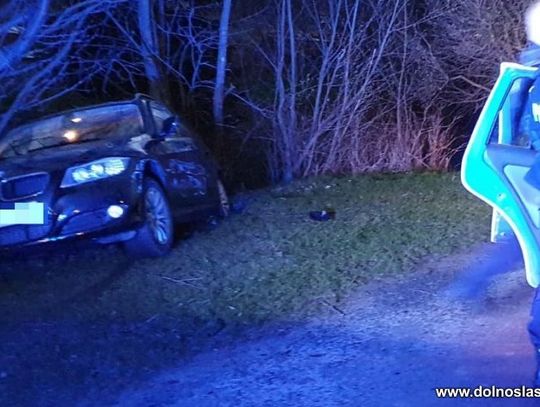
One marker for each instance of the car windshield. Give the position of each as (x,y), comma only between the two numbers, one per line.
(98,123)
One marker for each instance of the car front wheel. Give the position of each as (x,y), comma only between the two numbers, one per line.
(156,236)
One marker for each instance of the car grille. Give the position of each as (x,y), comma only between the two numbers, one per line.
(17,234)
(24,186)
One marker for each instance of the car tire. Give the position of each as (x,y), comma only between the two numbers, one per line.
(156,236)
(224,208)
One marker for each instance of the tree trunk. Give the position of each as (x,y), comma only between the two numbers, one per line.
(149,48)
(221,66)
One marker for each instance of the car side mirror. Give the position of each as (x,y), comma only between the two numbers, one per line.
(169,127)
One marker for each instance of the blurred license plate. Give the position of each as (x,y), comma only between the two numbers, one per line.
(23,213)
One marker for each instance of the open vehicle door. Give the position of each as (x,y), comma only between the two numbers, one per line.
(502,168)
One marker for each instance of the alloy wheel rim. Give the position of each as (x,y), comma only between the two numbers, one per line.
(157,215)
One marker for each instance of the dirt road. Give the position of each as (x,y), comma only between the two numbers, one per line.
(394,342)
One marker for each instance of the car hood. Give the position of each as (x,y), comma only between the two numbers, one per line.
(60,158)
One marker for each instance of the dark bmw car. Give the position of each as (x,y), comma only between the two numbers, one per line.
(117,172)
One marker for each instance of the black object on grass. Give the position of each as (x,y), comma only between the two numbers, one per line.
(324,215)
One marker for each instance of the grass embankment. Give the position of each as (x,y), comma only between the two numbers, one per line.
(264,264)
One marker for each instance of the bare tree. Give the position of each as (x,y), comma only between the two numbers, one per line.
(148,47)
(470,39)
(319,86)
(21,13)
(43,74)
(326,66)
(172,46)
(221,65)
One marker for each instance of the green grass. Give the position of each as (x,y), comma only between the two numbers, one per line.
(268,263)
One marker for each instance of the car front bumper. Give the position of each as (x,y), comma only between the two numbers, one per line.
(81,213)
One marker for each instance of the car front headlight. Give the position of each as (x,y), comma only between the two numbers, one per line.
(95,170)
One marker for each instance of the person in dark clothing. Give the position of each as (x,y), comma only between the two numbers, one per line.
(534,333)
(530,116)
(530,56)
